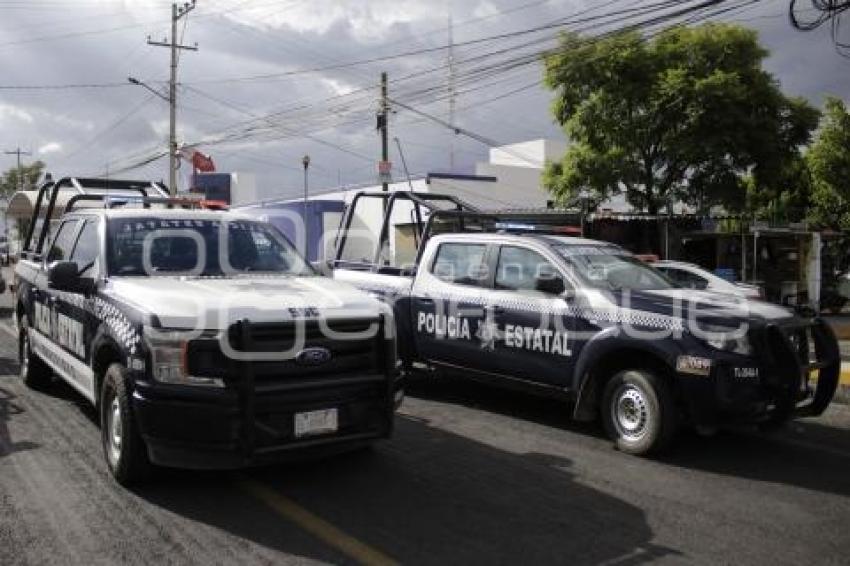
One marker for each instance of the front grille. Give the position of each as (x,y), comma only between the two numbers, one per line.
(354,347)
(795,354)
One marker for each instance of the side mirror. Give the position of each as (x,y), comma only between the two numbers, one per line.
(65,276)
(550,284)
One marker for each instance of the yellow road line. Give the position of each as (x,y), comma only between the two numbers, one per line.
(316,526)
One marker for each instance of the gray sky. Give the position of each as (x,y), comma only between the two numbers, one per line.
(259,57)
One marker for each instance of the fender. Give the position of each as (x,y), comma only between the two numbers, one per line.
(104,340)
(118,327)
(606,342)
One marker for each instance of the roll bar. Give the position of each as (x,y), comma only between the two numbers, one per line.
(83,186)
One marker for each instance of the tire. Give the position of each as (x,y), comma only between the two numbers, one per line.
(639,413)
(34,372)
(123,448)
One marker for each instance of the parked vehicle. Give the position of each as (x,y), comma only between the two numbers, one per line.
(692,276)
(4,251)
(202,337)
(493,299)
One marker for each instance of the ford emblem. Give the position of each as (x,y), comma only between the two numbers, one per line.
(313,356)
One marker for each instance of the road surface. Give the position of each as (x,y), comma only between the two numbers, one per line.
(472,476)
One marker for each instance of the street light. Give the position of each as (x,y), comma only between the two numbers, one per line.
(306,162)
(172,137)
(137,82)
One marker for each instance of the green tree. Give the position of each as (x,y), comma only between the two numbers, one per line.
(28,176)
(828,161)
(789,196)
(684,116)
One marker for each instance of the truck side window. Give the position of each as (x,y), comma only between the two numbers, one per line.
(519,268)
(87,249)
(61,248)
(686,279)
(460,263)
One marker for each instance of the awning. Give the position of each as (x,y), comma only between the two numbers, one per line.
(22,203)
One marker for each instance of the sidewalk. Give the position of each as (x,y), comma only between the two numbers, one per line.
(841,326)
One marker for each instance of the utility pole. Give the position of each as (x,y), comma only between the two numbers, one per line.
(452,94)
(17,152)
(177,13)
(383,125)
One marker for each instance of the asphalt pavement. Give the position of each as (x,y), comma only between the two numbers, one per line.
(473,475)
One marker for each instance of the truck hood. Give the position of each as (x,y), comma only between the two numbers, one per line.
(216,303)
(683,303)
(707,304)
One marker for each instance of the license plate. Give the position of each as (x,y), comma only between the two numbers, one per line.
(316,422)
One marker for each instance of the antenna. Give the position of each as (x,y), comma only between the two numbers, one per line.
(452,93)
(404,163)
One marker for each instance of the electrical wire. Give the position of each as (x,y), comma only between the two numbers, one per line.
(496,64)
(826,12)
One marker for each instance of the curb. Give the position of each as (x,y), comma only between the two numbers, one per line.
(842,394)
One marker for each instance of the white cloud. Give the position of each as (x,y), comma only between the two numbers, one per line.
(366,20)
(337,87)
(8,111)
(245,38)
(485,9)
(50,147)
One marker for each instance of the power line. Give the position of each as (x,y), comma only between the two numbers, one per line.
(826,12)
(177,13)
(319,113)
(63,86)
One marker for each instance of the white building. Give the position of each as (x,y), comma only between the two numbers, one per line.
(512,178)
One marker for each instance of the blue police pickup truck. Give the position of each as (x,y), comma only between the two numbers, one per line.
(202,337)
(581,320)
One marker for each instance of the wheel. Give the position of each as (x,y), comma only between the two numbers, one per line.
(125,451)
(34,372)
(638,412)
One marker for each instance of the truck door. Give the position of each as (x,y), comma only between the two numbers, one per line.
(86,254)
(533,316)
(47,324)
(72,318)
(447,305)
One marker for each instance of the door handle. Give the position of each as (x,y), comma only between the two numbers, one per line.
(426,301)
(496,309)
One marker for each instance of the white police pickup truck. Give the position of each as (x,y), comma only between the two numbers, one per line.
(583,321)
(202,337)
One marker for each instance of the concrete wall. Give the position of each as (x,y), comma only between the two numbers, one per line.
(532,154)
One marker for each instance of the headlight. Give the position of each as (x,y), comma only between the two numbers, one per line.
(168,350)
(725,339)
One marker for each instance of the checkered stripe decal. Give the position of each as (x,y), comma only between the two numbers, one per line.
(614,315)
(117,322)
(73,299)
(371,287)
(631,317)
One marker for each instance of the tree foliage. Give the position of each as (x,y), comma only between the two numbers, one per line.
(787,199)
(27,177)
(828,162)
(684,116)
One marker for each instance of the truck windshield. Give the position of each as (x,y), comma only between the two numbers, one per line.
(612,269)
(187,246)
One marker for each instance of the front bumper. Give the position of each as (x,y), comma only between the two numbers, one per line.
(794,372)
(251,420)
(210,429)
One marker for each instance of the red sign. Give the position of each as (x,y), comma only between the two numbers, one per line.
(202,163)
